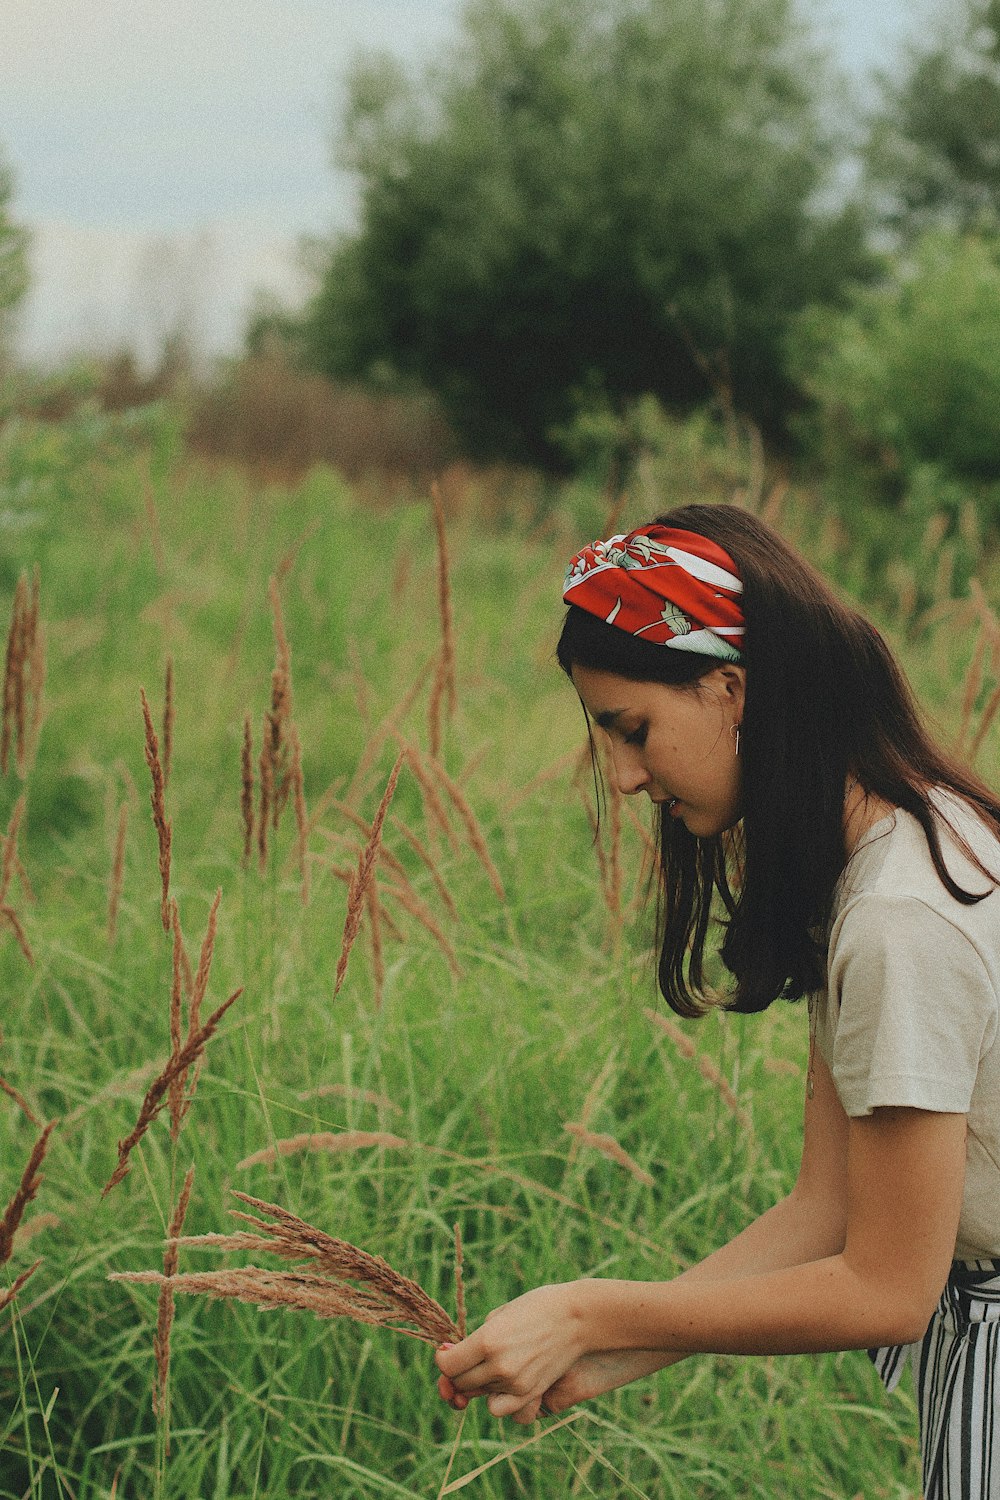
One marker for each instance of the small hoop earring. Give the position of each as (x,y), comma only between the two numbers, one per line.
(734,730)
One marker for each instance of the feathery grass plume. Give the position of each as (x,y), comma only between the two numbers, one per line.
(266,769)
(363,876)
(165,1309)
(473,830)
(706,1067)
(177,1063)
(280,715)
(332,1143)
(117,874)
(434,810)
(609,1147)
(374,909)
(36,1225)
(459,1284)
(164,830)
(301,815)
(410,902)
(246,792)
(351,1091)
(36,671)
(13,681)
(427,859)
(388,727)
(168,721)
(382,1296)
(27,1189)
(11,863)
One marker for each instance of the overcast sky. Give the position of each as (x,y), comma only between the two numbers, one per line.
(167,153)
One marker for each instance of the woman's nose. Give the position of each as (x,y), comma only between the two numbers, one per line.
(630,774)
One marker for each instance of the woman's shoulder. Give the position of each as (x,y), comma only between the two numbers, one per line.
(892,867)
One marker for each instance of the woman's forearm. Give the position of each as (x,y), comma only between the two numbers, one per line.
(791,1233)
(807,1308)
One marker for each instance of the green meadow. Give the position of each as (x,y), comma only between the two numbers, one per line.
(477,1062)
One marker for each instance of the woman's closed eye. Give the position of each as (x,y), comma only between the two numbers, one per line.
(637,736)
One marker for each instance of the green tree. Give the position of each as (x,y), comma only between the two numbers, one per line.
(13,251)
(588,200)
(933,156)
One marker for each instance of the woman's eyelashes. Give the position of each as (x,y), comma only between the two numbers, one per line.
(637,736)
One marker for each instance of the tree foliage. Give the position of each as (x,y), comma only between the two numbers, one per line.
(934,152)
(13,249)
(906,384)
(589,199)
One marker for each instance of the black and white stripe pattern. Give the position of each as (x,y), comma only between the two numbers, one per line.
(956,1367)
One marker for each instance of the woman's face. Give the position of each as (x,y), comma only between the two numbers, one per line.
(673,742)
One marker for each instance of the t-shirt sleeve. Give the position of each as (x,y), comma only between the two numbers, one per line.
(917,1009)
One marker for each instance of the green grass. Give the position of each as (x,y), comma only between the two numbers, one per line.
(483,1071)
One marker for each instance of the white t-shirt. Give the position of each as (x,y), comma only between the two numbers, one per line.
(910,1013)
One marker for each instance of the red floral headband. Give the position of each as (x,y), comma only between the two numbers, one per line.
(675,588)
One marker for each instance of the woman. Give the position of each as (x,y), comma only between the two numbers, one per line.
(857,865)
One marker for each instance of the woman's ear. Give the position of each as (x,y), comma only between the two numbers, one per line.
(731,682)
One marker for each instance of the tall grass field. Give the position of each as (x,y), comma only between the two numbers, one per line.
(495,1056)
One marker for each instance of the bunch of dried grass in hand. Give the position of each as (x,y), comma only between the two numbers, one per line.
(341,1282)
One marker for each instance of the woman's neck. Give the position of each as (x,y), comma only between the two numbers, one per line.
(862,810)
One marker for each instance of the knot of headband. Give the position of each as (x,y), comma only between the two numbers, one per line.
(672,587)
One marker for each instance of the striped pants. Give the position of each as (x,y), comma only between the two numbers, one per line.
(956,1368)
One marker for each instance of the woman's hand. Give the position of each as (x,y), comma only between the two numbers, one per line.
(591,1375)
(522,1350)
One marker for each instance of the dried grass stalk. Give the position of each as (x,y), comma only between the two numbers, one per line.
(165,1308)
(444,600)
(156,1095)
(279,718)
(427,859)
(973,684)
(327,1141)
(26,1190)
(347,1281)
(706,1067)
(266,768)
(388,727)
(609,1147)
(13,681)
(168,721)
(301,815)
(246,791)
(164,830)
(363,877)
(7,1296)
(20,1101)
(350,1091)
(176,1090)
(459,1284)
(472,828)
(374,908)
(434,810)
(986,718)
(117,874)
(412,903)
(10,857)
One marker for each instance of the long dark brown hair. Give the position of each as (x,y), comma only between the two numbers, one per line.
(825,698)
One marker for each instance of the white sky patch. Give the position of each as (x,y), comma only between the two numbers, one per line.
(131,122)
